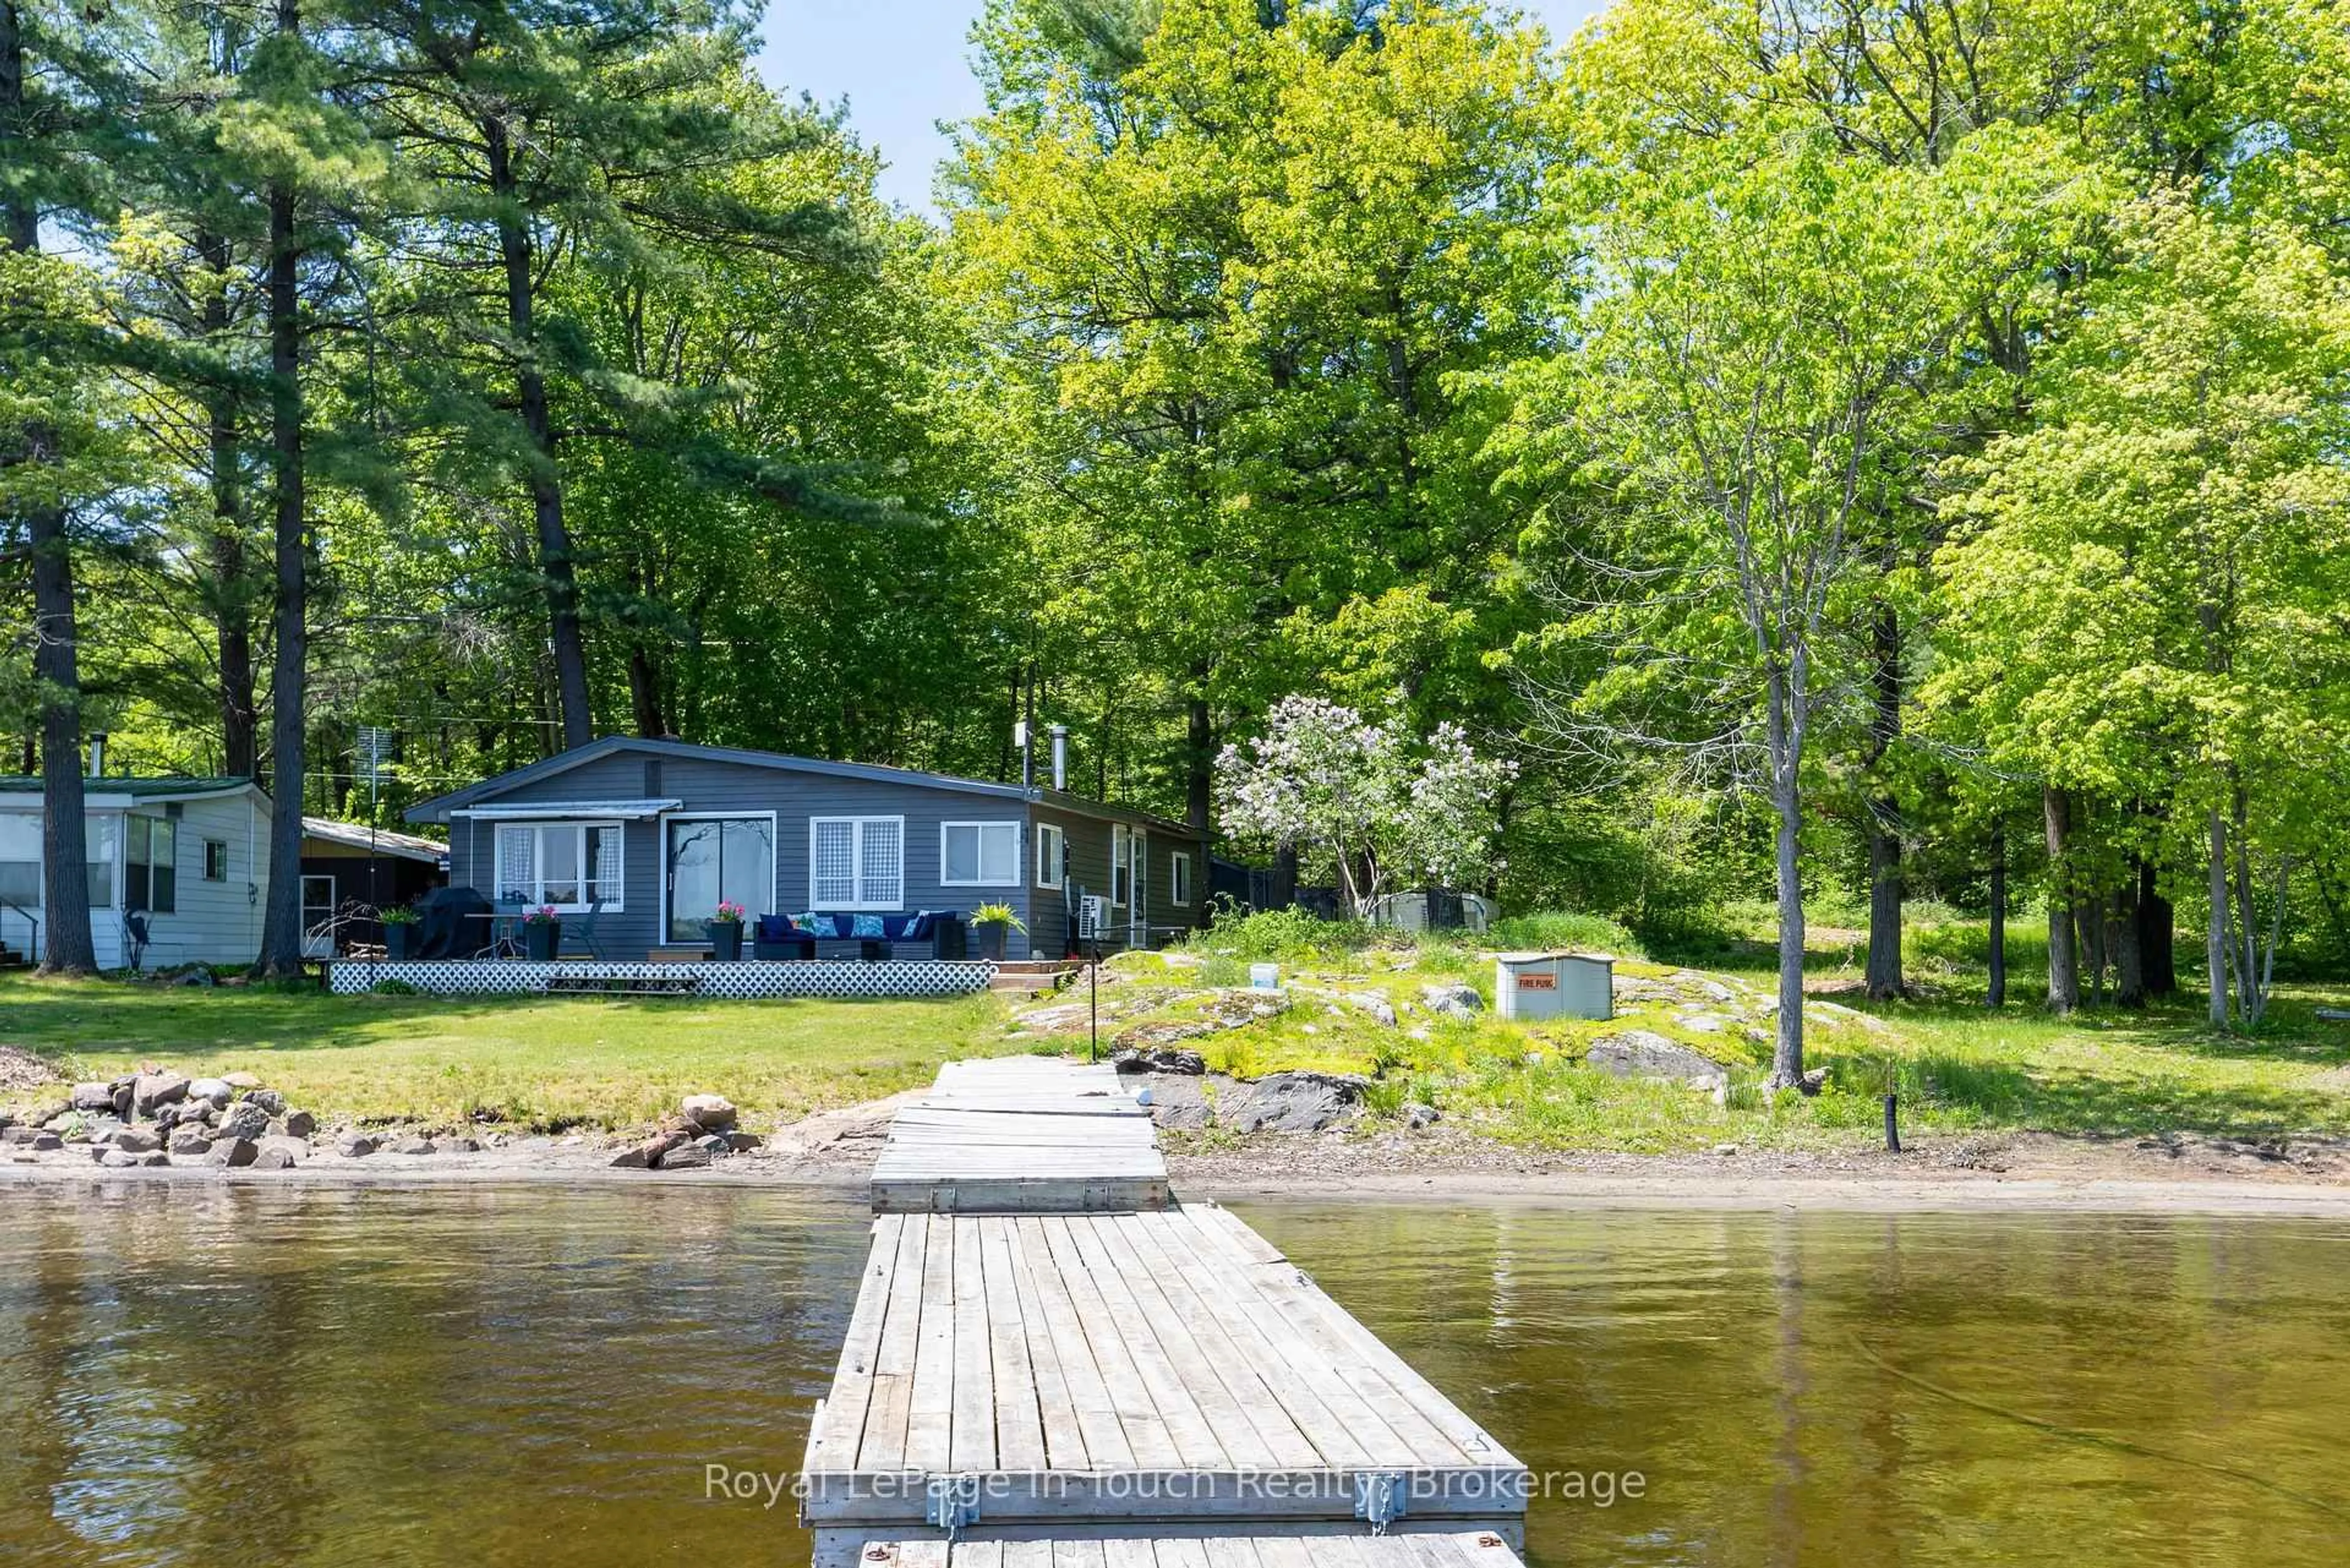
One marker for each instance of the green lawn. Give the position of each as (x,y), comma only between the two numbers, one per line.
(530,1061)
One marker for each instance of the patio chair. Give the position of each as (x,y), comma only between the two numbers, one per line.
(134,937)
(583,927)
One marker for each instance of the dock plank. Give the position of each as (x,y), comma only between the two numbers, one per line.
(1305,1546)
(1021,1134)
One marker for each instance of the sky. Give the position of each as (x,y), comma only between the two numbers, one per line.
(902,65)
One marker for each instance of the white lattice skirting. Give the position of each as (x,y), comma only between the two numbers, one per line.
(508,977)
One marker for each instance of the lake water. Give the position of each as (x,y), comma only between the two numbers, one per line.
(258,1376)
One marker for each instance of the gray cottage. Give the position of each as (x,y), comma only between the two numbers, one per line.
(654,835)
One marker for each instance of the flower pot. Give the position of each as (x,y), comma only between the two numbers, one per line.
(400,939)
(542,940)
(991,939)
(726,940)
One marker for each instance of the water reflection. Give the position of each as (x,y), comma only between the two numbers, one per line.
(1861,1389)
(267,1375)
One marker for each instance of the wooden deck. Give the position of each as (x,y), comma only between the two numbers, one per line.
(1302,1546)
(1021,1134)
(1097,1371)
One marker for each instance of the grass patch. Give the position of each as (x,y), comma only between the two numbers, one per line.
(537,1062)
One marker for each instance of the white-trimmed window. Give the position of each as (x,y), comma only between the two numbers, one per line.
(1052,851)
(573,865)
(1121,864)
(979,854)
(856,863)
(150,866)
(1179,880)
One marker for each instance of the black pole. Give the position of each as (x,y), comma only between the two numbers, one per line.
(1093,1002)
(1892,1124)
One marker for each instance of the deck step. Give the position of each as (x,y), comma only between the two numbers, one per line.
(1021,1134)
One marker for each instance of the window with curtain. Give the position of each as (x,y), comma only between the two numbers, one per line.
(570,865)
(979,854)
(1179,880)
(715,860)
(104,844)
(857,862)
(150,871)
(1121,853)
(1050,845)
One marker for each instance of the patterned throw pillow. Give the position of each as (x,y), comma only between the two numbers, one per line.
(815,925)
(867,926)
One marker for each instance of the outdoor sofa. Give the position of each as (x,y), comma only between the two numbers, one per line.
(924,933)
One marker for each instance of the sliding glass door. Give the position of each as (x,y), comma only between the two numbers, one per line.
(715,859)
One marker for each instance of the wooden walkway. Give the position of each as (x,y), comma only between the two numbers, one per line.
(1051,1364)
(1301,1548)
(1020,1133)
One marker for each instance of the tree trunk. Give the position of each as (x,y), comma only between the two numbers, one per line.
(1284,876)
(2089,942)
(281,922)
(1200,758)
(2123,941)
(233,606)
(2063,968)
(518,252)
(1884,975)
(2158,942)
(2215,930)
(1785,746)
(67,946)
(1998,996)
(644,693)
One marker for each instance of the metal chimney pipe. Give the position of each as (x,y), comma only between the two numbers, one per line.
(97,753)
(1060,757)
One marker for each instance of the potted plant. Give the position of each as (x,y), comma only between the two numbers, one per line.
(400,925)
(725,929)
(542,934)
(991,921)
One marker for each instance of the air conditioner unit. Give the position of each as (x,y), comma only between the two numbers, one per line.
(1093,916)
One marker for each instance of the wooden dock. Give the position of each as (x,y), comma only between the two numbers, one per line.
(1051,1364)
(1020,1133)
(1302,1547)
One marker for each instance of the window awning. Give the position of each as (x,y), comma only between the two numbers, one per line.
(567,810)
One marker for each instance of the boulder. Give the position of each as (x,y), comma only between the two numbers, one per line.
(685,1157)
(135,1141)
(244,1119)
(1451,1000)
(1417,1116)
(743,1142)
(43,1141)
(711,1113)
(99,1098)
(271,1102)
(1377,1007)
(240,1080)
(630,1158)
(124,1160)
(216,1091)
(275,1157)
(1642,1054)
(152,1090)
(460,1145)
(300,1123)
(1161,1059)
(232,1153)
(17,1133)
(714,1144)
(649,1154)
(414,1144)
(354,1145)
(186,1141)
(1290,1101)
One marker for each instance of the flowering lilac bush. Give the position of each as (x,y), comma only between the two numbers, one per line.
(1363,801)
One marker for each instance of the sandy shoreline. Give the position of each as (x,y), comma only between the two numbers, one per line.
(1660,1187)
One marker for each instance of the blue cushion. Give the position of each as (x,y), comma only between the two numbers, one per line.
(773,928)
(868,926)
